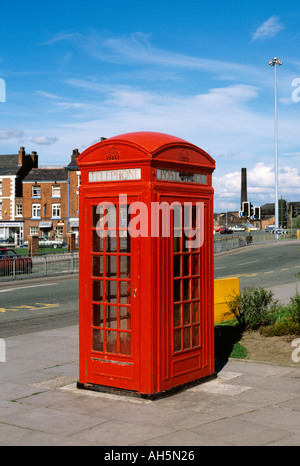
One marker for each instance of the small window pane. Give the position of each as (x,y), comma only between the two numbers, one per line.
(111,266)
(124,266)
(97,266)
(177,315)
(97,340)
(111,341)
(125,343)
(125,320)
(111,316)
(187,338)
(97,315)
(177,340)
(97,290)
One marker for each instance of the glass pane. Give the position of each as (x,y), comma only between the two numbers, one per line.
(111,266)
(97,340)
(124,266)
(195,288)
(124,241)
(176,266)
(177,290)
(111,342)
(97,315)
(125,318)
(195,311)
(124,292)
(186,289)
(97,241)
(111,317)
(187,338)
(97,290)
(125,343)
(195,264)
(196,335)
(111,291)
(177,340)
(111,241)
(186,313)
(95,216)
(176,244)
(110,216)
(97,266)
(177,315)
(185,261)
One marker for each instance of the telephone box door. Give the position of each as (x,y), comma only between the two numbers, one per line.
(111,295)
(187,293)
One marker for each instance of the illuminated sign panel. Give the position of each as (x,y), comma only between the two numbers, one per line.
(127,174)
(180,176)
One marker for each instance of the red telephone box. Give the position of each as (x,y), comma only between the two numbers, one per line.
(145,264)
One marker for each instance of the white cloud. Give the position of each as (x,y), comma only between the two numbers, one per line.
(268,29)
(44,140)
(260,186)
(10,133)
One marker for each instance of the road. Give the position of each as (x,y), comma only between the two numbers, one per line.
(35,305)
(40,304)
(266,265)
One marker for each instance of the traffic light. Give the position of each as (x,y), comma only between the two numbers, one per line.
(257,213)
(294,212)
(246,209)
(262,213)
(251,210)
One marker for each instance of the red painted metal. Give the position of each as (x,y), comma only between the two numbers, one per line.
(146,320)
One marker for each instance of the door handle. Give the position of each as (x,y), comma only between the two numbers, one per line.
(135,292)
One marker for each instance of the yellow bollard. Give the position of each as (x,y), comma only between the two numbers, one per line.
(224,289)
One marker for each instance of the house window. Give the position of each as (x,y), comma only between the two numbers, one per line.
(55,210)
(56,191)
(34,231)
(19,210)
(36,210)
(0,209)
(36,191)
(58,232)
(0,187)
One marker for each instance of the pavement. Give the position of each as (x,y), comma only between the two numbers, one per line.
(247,404)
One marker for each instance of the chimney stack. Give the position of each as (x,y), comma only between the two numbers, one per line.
(74,154)
(244,185)
(35,159)
(21,156)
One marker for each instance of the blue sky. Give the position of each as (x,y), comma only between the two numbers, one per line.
(78,70)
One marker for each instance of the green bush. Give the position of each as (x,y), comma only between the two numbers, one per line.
(253,308)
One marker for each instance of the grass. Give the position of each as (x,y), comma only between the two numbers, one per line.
(255,309)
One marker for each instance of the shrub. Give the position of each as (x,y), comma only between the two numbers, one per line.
(253,308)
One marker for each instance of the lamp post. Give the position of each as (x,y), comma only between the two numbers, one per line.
(274,62)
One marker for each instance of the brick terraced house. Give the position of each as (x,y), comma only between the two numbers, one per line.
(50,196)
(13,169)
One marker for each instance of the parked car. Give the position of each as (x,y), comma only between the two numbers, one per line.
(226,231)
(49,243)
(238,228)
(10,262)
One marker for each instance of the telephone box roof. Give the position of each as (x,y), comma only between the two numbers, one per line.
(149,145)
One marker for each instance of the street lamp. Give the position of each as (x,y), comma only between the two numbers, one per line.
(275,62)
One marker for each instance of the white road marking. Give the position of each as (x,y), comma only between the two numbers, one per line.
(24,287)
